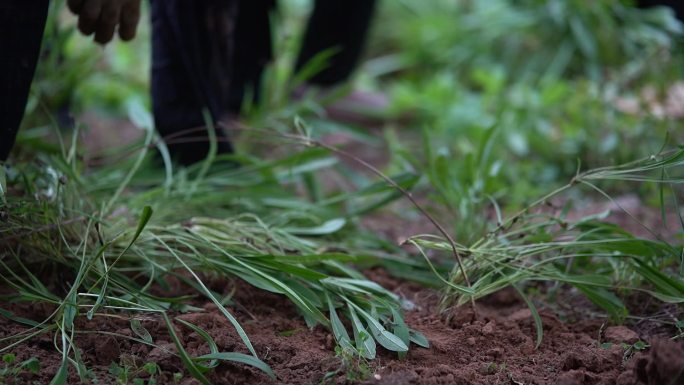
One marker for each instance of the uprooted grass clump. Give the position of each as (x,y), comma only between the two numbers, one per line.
(120,232)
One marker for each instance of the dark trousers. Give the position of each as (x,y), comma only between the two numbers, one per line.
(21,31)
(206,55)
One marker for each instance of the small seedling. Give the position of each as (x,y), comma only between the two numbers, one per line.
(11,368)
(490,368)
(630,350)
(353,366)
(177,377)
(128,373)
(680,329)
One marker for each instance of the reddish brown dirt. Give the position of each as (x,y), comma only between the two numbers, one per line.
(494,345)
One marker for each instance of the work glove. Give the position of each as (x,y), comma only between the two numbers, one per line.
(102,17)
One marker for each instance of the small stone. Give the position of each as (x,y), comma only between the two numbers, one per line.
(488,329)
(620,334)
(471,341)
(520,315)
(377,377)
(495,352)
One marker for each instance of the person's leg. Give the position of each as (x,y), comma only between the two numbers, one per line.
(21,32)
(253,50)
(192,44)
(341,25)
(206,54)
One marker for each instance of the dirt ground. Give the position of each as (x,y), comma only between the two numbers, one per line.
(492,345)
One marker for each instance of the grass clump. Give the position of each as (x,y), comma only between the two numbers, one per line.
(11,369)
(601,260)
(94,243)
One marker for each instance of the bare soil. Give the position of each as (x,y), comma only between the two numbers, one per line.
(492,344)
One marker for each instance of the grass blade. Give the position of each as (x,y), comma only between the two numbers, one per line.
(539,329)
(338,328)
(213,348)
(365,344)
(184,356)
(239,358)
(388,340)
(419,339)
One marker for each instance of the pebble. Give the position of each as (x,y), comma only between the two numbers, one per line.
(520,315)
(488,329)
(495,352)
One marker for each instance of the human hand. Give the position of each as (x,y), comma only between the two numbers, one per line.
(102,17)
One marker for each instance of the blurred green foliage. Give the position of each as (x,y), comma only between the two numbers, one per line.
(75,75)
(505,97)
(513,96)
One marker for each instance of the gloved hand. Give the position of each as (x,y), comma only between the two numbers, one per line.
(102,16)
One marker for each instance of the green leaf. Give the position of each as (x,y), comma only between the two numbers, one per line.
(419,339)
(535,316)
(314,259)
(668,285)
(584,38)
(400,329)
(640,345)
(142,222)
(365,344)
(9,315)
(70,310)
(306,292)
(32,365)
(213,348)
(151,368)
(187,361)
(301,272)
(61,375)
(338,328)
(328,227)
(9,358)
(239,358)
(388,340)
(605,300)
(303,304)
(238,328)
(140,331)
